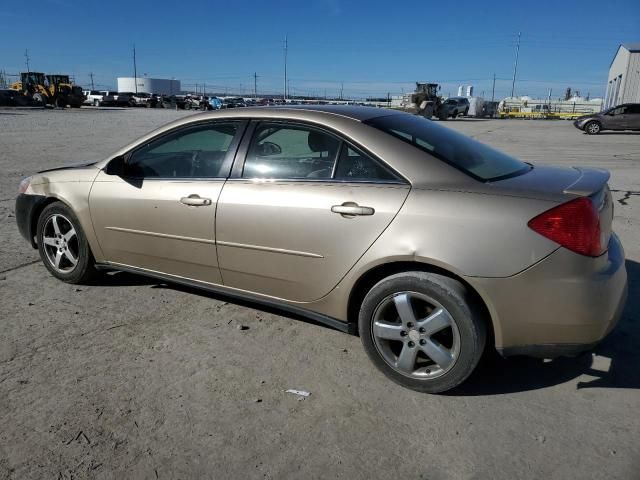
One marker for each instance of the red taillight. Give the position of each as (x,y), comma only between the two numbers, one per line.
(574,225)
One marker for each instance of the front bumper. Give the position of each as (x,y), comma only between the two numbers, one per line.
(26,206)
(562,305)
(579,124)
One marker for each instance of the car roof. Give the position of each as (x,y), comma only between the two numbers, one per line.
(354,112)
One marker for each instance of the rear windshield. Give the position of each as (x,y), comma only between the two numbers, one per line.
(473,158)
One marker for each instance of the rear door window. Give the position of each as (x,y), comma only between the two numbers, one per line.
(471,157)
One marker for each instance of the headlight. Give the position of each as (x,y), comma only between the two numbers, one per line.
(24,184)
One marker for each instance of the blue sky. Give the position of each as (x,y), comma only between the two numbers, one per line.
(373,47)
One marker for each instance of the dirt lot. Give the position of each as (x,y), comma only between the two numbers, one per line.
(135,379)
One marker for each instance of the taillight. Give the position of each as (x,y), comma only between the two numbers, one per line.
(24,184)
(574,225)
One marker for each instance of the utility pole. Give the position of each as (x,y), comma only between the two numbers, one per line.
(341,89)
(255,85)
(91,76)
(26,56)
(135,70)
(285,68)
(493,89)
(515,66)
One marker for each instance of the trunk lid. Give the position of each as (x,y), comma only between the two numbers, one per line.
(562,184)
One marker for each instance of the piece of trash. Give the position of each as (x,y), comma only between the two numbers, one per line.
(242,327)
(301,393)
(258,400)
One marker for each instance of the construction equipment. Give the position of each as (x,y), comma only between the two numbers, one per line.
(50,90)
(426,100)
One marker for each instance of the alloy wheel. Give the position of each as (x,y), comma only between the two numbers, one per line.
(60,243)
(415,335)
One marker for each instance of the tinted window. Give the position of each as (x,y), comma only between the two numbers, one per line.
(290,151)
(635,109)
(474,158)
(354,165)
(193,152)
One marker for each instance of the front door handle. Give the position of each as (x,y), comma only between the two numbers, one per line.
(351,209)
(194,200)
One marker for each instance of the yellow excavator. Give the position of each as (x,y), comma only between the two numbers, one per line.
(49,90)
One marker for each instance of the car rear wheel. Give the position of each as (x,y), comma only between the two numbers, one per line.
(420,331)
(593,128)
(63,245)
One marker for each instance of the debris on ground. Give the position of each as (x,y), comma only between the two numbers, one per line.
(300,393)
(242,327)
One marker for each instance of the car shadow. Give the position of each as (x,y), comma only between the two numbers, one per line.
(624,132)
(124,279)
(496,375)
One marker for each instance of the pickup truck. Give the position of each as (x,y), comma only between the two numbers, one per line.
(93,97)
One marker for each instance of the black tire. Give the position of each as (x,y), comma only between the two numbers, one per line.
(454,298)
(187,106)
(593,127)
(455,114)
(84,270)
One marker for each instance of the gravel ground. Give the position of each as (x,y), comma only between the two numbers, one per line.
(133,378)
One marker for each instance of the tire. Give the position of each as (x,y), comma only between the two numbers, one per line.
(455,114)
(53,224)
(39,99)
(61,102)
(593,127)
(445,324)
(187,106)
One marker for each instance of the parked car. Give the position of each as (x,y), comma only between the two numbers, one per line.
(233,103)
(454,106)
(622,117)
(93,97)
(126,99)
(15,98)
(429,244)
(109,98)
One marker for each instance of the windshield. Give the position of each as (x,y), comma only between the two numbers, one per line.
(473,158)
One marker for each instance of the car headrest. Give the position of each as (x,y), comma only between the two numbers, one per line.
(320,142)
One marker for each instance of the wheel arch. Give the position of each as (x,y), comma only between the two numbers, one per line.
(37,211)
(377,273)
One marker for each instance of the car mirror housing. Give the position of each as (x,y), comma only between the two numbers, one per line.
(115,166)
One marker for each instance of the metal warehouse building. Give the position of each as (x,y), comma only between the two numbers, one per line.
(624,76)
(159,86)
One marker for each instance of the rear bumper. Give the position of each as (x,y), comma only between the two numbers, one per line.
(26,205)
(563,305)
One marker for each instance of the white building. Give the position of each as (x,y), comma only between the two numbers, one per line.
(158,86)
(624,76)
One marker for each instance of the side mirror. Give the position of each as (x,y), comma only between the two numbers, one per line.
(115,166)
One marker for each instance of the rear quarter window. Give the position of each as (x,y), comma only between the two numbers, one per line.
(470,156)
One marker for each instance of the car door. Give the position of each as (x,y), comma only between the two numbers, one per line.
(158,211)
(616,118)
(633,117)
(299,212)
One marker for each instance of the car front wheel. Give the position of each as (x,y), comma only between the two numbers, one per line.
(63,246)
(592,128)
(420,331)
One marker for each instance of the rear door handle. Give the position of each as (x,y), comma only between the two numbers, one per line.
(351,209)
(194,200)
